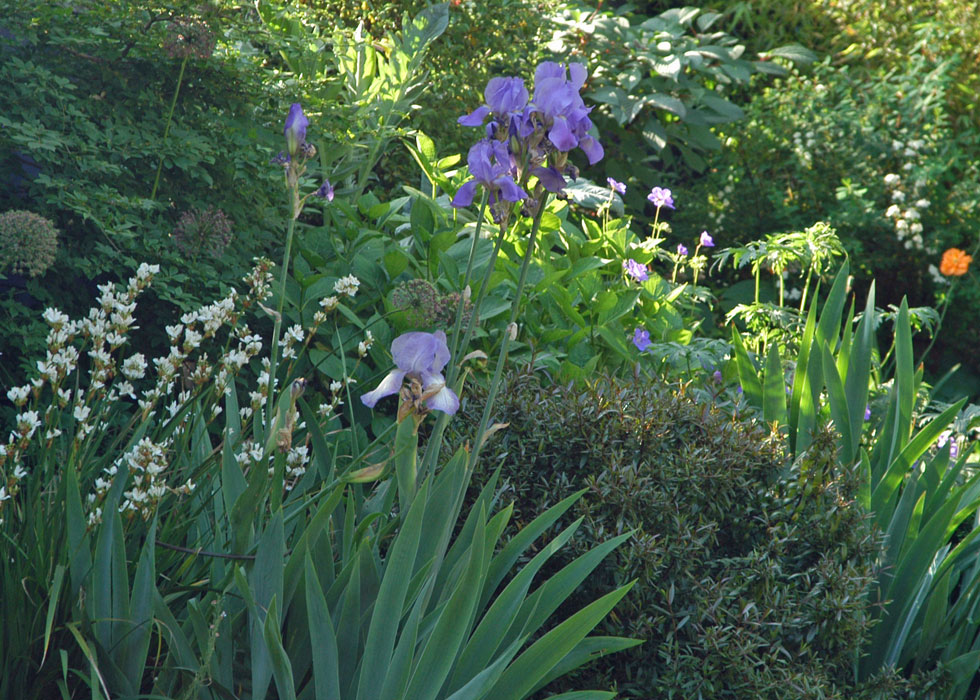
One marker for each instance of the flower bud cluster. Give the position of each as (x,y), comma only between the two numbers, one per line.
(28,243)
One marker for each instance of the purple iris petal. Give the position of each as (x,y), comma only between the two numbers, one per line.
(661,197)
(295,129)
(421,356)
(636,270)
(490,165)
(641,339)
(474,118)
(706,240)
(505,95)
(593,149)
(550,179)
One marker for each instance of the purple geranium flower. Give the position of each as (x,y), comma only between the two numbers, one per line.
(616,186)
(295,129)
(636,270)
(660,196)
(641,339)
(717,376)
(420,356)
(681,249)
(325,191)
(706,240)
(490,165)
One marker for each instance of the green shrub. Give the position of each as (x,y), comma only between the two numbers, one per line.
(752,573)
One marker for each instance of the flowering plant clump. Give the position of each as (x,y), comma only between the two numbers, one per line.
(528,137)
(28,243)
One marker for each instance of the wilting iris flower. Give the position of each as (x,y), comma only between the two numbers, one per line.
(295,129)
(661,197)
(419,356)
(706,240)
(641,339)
(636,270)
(490,166)
(325,191)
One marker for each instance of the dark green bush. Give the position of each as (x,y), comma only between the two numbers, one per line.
(752,573)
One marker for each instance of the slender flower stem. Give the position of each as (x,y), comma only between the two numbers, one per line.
(434,444)
(454,342)
(277,327)
(505,342)
(166,130)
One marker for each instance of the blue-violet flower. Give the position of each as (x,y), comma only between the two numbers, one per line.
(295,129)
(661,197)
(641,339)
(420,356)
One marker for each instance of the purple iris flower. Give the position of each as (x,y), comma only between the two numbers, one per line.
(295,129)
(505,98)
(641,339)
(325,191)
(681,249)
(660,196)
(706,240)
(616,186)
(636,270)
(420,356)
(560,109)
(490,165)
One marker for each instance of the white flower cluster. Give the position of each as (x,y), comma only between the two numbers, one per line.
(365,345)
(146,463)
(294,336)
(297,459)
(802,145)
(347,285)
(908,227)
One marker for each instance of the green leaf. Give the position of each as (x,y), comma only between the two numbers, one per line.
(385,619)
(774,391)
(542,656)
(323,642)
(282,669)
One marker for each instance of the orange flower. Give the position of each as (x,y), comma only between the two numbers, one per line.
(955,263)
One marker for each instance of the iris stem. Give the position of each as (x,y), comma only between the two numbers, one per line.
(505,343)
(277,327)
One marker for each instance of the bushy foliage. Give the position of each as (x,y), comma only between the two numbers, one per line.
(879,156)
(82,131)
(752,572)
